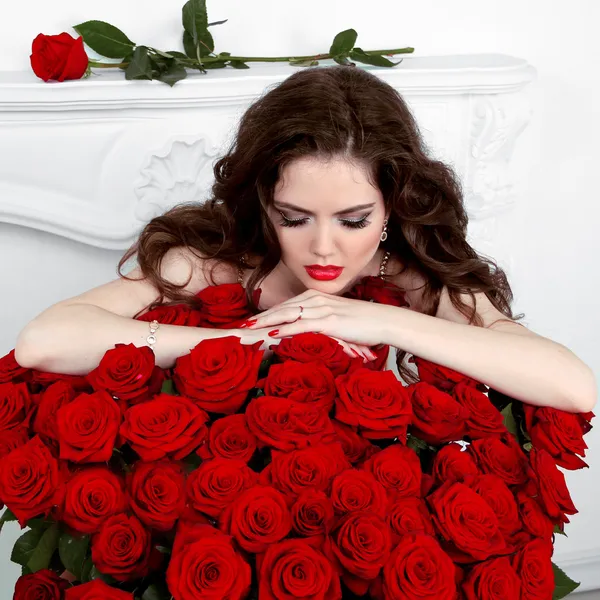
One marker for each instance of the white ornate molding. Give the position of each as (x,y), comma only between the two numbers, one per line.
(93,160)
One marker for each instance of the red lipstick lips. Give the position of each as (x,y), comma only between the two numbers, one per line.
(323,273)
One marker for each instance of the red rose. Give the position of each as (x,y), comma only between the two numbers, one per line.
(53,398)
(418,569)
(122,548)
(443,378)
(302,382)
(218,373)
(314,467)
(409,516)
(166,426)
(354,490)
(258,518)
(58,57)
(16,406)
(398,469)
(502,457)
(376,402)
(438,417)
(293,569)
(225,304)
(42,585)
(453,463)
(88,428)
(91,496)
(11,439)
(312,514)
(96,590)
(155,491)
(356,448)
(496,493)
(204,564)
(314,347)
(175,314)
(30,481)
(217,483)
(229,437)
(559,433)
(553,495)
(128,373)
(284,424)
(492,580)
(467,522)
(535,521)
(533,565)
(362,543)
(11,371)
(375,289)
(484,418)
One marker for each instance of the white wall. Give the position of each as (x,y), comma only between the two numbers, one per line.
(554,228)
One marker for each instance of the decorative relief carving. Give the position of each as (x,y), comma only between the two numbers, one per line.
(180,172)
(496,123)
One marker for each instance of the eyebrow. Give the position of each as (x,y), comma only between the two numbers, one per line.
(308,212)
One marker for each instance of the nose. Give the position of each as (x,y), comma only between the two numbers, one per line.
(322,242)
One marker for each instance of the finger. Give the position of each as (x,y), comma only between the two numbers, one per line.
(289,315)
(302,326)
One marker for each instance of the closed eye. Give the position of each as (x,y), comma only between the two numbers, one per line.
(350,223)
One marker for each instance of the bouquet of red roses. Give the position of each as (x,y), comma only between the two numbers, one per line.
(309,474)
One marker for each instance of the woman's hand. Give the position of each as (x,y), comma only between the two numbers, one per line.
(352,322)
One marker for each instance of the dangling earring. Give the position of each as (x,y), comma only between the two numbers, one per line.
(384,232)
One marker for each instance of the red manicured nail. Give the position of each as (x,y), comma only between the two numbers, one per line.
(250,322)
(273,332)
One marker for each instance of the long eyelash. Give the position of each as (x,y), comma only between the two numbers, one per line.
(285,222)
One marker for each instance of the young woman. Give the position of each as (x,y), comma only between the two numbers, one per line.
(326,182)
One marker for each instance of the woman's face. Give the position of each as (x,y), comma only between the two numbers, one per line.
(327,214)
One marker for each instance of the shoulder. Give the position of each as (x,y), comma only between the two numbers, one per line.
(413,283)
(491,317)
(187,267)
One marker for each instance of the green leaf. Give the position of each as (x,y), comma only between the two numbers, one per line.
(343,42)
(217,22)
(72,551)
(25,545)
(217,64)
(527,446)
(190,46)
(174,73)
(41,556)
(154,592)
(376,60)
(194,17)
(95,574)
(559,531)
(416,444)
(563,584)
(238,64)
(509,420)
(105,39)
(199,41)
(343,60)
(140,66)
(167,387)
(7,516)
(86,570)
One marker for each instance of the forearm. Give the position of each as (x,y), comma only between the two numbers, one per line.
(73,339)
(525,367)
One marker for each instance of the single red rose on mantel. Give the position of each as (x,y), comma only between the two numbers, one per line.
(58,57)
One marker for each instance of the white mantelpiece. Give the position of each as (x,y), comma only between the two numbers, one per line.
(93,160)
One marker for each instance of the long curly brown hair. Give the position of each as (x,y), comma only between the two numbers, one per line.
(338,111)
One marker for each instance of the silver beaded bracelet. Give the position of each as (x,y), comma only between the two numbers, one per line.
(151,339)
